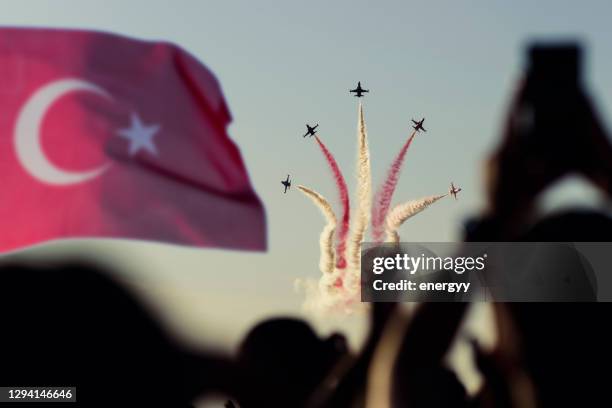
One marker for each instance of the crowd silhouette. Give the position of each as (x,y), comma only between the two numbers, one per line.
(72,324)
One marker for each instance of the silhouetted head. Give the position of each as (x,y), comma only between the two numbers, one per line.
(69,324)
(574,338)
(283,361)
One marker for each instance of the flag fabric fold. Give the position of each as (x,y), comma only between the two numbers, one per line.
(106,136)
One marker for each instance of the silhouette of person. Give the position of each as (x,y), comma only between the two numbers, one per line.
(552,130)
(282,362)
(70,324)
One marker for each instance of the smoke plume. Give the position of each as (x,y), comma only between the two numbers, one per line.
(385,193)
(401,212)
(326,261)
(344,199)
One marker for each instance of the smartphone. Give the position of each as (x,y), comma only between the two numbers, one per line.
(556,67)
(552,97)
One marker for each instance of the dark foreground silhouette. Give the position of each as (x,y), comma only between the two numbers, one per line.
(70,324)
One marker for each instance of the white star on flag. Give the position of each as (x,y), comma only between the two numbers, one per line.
(139,135)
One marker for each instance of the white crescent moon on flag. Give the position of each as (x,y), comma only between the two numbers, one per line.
(27,133)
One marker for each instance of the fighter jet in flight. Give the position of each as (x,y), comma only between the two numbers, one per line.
(311,130)
(418,125)
(359,91)
(453,190)
(286,183)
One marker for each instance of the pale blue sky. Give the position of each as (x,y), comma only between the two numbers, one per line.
(285,63)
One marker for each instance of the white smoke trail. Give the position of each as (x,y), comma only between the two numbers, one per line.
(364,194)
(327,259)
(336,291)
(401,212)
(392,237)
(324,297)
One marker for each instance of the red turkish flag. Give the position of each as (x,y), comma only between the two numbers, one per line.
(105,136)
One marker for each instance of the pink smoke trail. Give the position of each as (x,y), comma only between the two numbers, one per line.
(385,193)
(344,199)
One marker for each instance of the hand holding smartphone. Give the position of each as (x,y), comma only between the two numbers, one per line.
(551,130)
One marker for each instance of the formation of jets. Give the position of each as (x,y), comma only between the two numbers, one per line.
(311,130)
(359,91)
(286,183)
(418,125)
(453,190)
